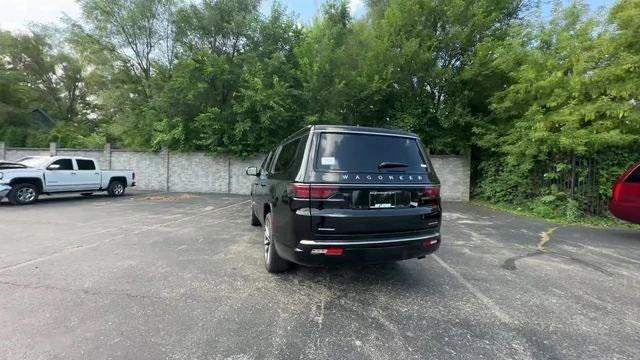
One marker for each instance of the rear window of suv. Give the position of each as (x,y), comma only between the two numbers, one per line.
(361,152)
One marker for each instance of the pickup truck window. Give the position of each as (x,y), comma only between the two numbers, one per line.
(85,164)
(65,164)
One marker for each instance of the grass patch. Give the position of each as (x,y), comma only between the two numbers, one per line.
(592,221)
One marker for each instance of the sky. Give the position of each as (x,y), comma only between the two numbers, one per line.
(17,14)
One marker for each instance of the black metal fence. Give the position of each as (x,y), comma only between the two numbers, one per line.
(587,180)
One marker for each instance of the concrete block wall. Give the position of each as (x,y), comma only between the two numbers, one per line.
(150,167)
(15,154)
(206,173)
(454,172)
(239,182)
(198,172)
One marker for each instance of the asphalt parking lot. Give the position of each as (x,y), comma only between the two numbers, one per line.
(179,276)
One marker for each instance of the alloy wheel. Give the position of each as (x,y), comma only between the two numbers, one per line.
(26,195)
(267,239)
(118,189)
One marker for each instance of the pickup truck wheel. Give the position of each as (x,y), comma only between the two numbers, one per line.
(23,194)
(116,188)
(254,219)
(272,261)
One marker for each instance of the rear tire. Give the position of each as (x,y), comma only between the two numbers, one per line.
(272,261)
(116,188)
(254,219)
(23,194)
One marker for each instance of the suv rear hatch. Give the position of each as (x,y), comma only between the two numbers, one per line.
(370,185)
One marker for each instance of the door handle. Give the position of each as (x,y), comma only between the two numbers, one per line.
(73,173)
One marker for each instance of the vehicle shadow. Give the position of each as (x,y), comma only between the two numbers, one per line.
(398,277)
(66,198)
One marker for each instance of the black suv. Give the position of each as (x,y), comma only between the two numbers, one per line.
(334,194)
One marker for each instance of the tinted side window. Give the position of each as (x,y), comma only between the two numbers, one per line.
(286,156)
(266,162)
(634,177)
(297,160)
(65,164)
(85,164)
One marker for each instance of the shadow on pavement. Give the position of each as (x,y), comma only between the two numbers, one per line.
(66,198)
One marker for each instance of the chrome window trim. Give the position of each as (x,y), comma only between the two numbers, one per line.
(364,133)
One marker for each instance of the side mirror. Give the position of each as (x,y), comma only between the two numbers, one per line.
(53,167)
(252,171)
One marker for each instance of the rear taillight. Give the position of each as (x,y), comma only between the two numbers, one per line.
(431,192)
(307,191)
(429,243)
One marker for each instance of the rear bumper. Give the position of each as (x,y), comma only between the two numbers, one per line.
(625,212)
(310,252)
(4,190)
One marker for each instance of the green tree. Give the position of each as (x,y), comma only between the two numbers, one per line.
(428,46)
(237,88)
(37,73)
(140,32)
(571,95)
(132,45)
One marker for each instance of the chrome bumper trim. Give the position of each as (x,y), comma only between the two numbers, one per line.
(367,242)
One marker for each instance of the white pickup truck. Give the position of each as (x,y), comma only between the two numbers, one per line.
(23,181)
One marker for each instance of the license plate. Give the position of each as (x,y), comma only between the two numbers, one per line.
(382,199)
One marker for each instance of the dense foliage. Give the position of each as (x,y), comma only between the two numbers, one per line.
(533,97)
(568,121)
(220,75)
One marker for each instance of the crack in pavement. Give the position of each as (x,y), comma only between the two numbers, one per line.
(84,291)
(510,263)
(545,237)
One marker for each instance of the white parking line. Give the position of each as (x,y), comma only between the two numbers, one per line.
(483,298)
(104,241)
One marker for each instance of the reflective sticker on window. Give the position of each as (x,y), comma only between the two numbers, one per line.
(328,160)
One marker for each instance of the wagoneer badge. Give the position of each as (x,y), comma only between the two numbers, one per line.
(373,178)
(382,177)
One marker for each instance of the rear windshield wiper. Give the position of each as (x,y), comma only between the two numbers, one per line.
(389,165)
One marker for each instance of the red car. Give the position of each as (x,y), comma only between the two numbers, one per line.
(625,203)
